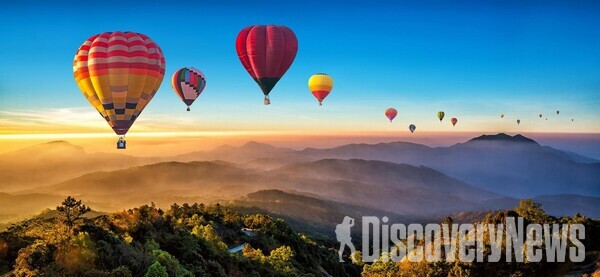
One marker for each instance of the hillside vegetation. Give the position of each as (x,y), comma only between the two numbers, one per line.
(186,240)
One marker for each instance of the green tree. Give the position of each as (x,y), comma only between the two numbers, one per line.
(170,263)
(281,259)
(208,233)
(72,210)
(156,270)
(151,245)
(121,271)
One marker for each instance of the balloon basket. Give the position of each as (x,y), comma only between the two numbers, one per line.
(121,143)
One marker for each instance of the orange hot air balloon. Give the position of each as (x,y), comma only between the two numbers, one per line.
(119,73)
(320,85)
(391,113)
(454,120)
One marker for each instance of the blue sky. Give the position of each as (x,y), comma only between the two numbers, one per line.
(472,59)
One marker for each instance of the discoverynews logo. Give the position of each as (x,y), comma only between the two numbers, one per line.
(465,242)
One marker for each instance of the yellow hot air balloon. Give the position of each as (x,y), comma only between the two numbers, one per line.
(320,85)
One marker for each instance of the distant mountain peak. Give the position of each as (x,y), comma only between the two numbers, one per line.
(505,138)
(62,143)
(49,149)
(58,142)
(257,144)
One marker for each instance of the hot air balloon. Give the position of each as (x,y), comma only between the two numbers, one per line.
(501,115)
(391,113)
(320,85)
(518,121)
(188,83)
(557,112)
(266,52)
(540,115)
(454,120)
(119,73)
(412,128)
(440,115)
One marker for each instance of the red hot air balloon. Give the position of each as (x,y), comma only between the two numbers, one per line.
(266,52)
(454,120)
(391,113)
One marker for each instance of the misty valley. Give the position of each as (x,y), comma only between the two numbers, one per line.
(150,206)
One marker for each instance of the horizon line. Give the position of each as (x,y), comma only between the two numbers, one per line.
(278,133)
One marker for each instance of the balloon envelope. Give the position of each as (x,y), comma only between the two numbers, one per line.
(119,73)
(440,115)
(266,52)
(391,113)
(518,121)
(454,120)
(412,128)
(188,83)
(320,85)
(501,115)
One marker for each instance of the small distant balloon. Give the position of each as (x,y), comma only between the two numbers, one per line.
(440,115)
(518,121)
(454,120)
(412,128)
(391,113)
(540,115)
(557,112)
(501,115)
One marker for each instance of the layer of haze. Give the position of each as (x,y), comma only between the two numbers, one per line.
(168,144)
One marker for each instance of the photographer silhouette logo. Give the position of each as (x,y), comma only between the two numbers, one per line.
(342,233)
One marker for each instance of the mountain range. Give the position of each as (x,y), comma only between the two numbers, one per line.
(404,180)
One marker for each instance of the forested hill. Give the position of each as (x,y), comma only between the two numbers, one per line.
(216,240)
(186,240)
